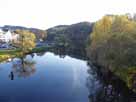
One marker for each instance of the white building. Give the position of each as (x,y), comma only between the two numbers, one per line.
(8,36)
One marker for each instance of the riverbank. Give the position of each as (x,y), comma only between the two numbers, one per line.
(40,49)
(6,54)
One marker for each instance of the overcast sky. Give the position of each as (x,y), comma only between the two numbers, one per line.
(47,13)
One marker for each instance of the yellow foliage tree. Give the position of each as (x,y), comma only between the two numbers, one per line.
(26,41)
(113,41)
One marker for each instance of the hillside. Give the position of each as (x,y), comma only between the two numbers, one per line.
(74,36)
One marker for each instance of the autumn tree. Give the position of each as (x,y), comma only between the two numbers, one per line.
(26,41)
(99,36)
(113,46)
(113,42)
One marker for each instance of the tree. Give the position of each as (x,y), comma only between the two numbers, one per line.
(99,36)
(41,35)
(26,41)
(113,46)
(113,42)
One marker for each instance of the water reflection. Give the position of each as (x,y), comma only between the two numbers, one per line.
(106,87)
(72,52)
(102,85)
(133,82)
(11,75)
(22,67)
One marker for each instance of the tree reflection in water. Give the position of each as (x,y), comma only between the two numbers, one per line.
(105,87)
(11,76)
(22,67)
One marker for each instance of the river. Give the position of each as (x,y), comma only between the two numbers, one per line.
(48,77)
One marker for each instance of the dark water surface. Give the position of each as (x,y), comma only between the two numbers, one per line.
(50,78)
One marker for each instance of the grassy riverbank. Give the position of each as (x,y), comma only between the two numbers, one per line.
(5,54)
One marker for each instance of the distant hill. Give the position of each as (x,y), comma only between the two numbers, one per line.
(75,35)
(40,34)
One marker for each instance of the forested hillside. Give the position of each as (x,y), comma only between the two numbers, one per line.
(74,35)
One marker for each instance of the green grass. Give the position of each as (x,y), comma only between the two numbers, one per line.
(5,54)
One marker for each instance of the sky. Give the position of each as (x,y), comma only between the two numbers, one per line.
(44,14)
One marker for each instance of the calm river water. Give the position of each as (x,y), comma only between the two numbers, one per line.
(50,78)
